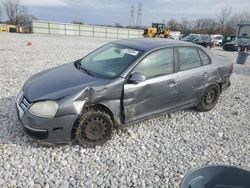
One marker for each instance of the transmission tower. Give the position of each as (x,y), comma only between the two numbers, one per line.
(131,20)
(139,16)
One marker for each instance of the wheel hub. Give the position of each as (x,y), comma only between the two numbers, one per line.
(95,129)
(209,97)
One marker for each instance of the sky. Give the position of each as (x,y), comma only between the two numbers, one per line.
(118,11)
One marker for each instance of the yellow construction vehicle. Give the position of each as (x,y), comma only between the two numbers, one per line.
(11,28)
(157,30)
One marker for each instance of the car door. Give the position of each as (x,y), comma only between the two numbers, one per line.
(155,94)
(192,74)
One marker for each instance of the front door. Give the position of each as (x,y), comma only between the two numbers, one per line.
(158,92)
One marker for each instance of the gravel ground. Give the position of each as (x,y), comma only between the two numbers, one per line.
(153,153)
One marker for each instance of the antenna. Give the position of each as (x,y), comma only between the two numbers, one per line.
(139,16)
(131,20)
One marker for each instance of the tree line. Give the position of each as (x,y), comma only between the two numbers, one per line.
(225,23)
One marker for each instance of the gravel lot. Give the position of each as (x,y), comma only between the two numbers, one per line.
(154,153)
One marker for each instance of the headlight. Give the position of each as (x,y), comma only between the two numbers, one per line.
(45,109)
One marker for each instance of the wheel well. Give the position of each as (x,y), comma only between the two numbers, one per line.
(220,85)
(95,107)
(103,108)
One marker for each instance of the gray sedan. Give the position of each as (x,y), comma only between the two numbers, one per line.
(118,84)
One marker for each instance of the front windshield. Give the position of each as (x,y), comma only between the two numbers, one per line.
(109,61)
(190,37)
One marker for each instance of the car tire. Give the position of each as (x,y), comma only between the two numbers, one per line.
(209,98)
(94,128)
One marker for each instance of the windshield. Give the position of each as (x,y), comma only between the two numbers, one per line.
(109,61)
(190,37)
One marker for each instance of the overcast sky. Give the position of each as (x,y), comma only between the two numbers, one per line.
(112,11)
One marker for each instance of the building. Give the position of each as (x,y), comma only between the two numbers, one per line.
(243,30)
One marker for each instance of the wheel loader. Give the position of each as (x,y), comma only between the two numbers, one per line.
(157,30)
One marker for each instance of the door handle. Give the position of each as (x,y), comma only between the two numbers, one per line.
(205,74)
(172,84)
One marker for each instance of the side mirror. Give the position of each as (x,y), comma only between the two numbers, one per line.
(136,77)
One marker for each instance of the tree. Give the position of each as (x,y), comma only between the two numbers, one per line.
(0,13)
(118,25)
(16,13)
(77,22)
(24,17)
(185,26)
(224,15)
(173,25)
(242,17)
(12,8)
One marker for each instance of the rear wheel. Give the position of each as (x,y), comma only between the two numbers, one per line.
(94,128)
(209,98)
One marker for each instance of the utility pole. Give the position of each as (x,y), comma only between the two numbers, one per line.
(139,16)
(131,19)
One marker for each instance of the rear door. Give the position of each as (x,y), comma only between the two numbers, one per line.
(193,74)
(158,92)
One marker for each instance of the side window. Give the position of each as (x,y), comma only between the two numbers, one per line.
(204,58)
(157,63)
(188,58)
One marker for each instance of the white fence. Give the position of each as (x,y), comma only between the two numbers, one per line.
(55,28)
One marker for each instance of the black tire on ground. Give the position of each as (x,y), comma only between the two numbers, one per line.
(209,98)
(94,128)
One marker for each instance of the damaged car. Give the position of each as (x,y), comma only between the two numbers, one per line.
(118,84)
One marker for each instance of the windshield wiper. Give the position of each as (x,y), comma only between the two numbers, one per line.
(77,63)
(85,70)
(79,66)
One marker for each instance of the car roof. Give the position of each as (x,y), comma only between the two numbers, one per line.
(148,44)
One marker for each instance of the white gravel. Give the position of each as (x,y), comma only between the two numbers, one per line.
(153,153)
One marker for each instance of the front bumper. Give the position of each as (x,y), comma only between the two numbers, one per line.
(53,130)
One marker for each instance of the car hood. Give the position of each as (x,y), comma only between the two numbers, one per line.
(57,83)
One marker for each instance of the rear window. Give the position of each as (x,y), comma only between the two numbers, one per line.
(188,58)
(204,58)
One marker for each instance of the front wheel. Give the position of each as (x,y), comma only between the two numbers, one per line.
(94,128)
(209,98)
